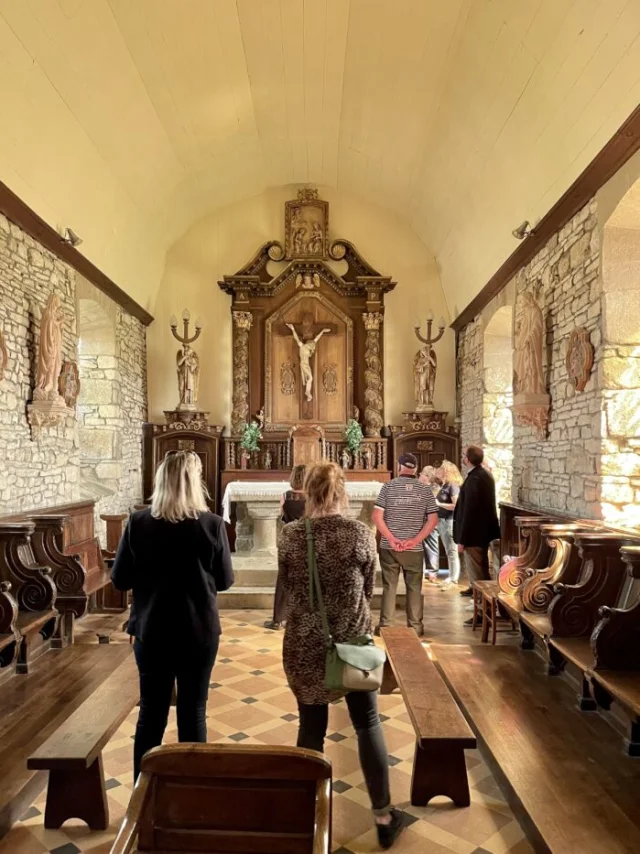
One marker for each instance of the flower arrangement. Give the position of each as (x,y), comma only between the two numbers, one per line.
(353,436)
(251,435)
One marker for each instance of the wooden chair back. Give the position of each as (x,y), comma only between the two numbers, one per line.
(246,799)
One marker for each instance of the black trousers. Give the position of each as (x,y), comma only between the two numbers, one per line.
(160,667)
(374,759)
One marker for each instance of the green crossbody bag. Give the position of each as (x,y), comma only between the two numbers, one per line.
(353,666)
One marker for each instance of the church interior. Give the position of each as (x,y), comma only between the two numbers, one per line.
(276,233)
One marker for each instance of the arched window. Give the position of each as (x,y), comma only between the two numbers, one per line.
(497,424)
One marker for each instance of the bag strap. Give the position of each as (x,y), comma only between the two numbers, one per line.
(314,582)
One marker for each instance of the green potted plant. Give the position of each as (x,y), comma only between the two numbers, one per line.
(250,442)
(353,438)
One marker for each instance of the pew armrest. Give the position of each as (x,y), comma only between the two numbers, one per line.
(322,835)
(126,840)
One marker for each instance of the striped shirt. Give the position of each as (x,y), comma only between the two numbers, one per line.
(406,502)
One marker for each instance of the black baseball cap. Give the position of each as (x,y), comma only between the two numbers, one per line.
(408,461)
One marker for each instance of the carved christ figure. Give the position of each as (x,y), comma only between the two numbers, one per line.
(188,365)
(528,347)
(50,351)
(307,350)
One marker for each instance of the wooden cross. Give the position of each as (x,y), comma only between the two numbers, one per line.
(306,328)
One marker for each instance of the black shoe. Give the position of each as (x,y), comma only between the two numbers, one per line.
(388,833)
(376,631)
(467,592)
(468,622)
(271,624)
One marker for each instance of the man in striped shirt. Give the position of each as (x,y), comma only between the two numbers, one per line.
(405,514)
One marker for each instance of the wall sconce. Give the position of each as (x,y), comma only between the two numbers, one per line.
(523,230)
(69,237)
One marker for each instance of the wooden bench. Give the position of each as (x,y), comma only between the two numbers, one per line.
(246,799)
(442,734)
(562,772)
(73,753)
(10,636)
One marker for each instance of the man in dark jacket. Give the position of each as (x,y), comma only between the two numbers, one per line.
(475,520)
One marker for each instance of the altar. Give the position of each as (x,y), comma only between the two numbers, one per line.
(256,508)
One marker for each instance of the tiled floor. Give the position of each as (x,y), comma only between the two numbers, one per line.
(250,702)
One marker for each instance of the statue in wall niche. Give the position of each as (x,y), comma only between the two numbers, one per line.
(529,377)
(307,350)
(188,365)
(49,352)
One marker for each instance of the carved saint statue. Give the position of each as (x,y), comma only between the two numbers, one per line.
(528,347)
(188,365)
(307,350)
(425,365)
(49,352)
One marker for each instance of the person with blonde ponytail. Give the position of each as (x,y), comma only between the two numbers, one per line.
(345,552)
(175,558)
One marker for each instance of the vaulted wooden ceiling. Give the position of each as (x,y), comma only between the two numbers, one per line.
(131,119)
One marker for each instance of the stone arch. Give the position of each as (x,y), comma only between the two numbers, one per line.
(497,423)
(620,364)
(98,403)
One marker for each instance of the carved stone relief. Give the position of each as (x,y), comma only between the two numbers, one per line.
(530,402)
(373,420)
(579,358)
(306,226)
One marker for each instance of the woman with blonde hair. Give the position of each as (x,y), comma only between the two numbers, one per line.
(345,552)
(175,558)
(449,476)
(431,546)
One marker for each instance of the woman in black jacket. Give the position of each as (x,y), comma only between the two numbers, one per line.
(175,558)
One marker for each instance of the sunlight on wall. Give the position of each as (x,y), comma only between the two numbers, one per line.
(497,422)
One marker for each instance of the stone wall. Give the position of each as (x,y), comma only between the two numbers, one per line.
(561,471)
(47,470)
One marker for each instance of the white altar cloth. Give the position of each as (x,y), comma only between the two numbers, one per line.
(244,490)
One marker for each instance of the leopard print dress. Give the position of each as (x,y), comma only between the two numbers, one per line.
(346,560)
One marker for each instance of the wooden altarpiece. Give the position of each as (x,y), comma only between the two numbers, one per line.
(307,340)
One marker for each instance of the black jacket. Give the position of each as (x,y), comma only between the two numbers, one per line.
(475,521)
(175,570)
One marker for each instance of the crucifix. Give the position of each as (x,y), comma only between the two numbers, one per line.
(307,340)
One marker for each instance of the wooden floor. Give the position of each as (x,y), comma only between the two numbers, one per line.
(565,770)
(34,705)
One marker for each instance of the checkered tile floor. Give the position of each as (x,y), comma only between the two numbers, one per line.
(250,703)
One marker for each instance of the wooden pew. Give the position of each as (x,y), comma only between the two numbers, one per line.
(561,772)
(9,635)
(35,592)
(442,734)
(73,753)
(242,798)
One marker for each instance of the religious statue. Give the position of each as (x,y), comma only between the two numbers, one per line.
(425,366)
(345,459)
(366,457)
(307,281)
(528,347)
(188,364)
(49,352)
(307,350)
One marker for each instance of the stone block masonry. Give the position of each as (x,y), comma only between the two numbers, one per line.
(47,471)
(561,471)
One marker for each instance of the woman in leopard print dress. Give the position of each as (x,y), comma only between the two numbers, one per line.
(346,560)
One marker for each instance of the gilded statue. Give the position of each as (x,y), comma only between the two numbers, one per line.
(528,347)
(188,364)
(49,351)
(307,350)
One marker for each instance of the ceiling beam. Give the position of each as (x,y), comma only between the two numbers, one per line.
(28,220)
(623,145)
